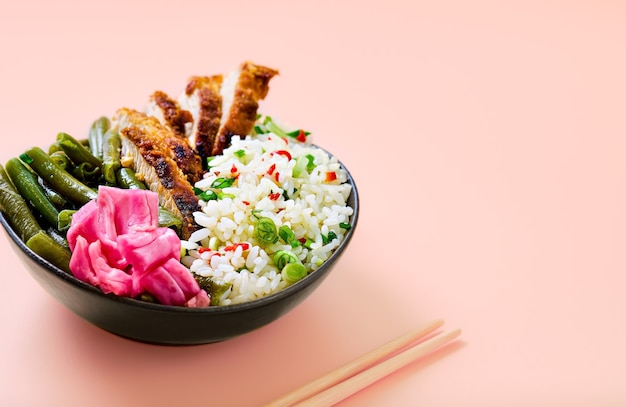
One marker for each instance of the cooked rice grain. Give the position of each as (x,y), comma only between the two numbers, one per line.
(265,187)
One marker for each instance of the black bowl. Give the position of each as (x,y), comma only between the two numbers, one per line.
(170,325)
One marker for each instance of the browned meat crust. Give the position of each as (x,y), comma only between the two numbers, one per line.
(252,86)
(176,119)
(210,111)
(148,140)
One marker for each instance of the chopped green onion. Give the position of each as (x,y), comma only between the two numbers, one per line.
(273,127)
(208,161)
(208,195)
(286,234)
(265,230)
(311,165)
(259,130)
(293,272)
(345,226)
(223,195)
(296,133)
(222,182)
(283,257)
(329,238)
(308,243)
(240,153)
(300,167)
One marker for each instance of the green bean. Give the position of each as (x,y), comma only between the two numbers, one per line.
(62,160)
(216,290)
(16,209)
(54,148)
(168,220)
(127,179)
(76,151)
(111,150)
(58,237)
(45,246)
(86,173)
(58,179)
(96,135)
(54,197)
(28,186)
(65,219)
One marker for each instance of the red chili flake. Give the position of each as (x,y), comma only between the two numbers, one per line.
(203,249)
(285,140)
(331,176)
(245,202)
(276,176)
(302,240)
(234,246)
(301,136)
(271,169)
(284,153)
(233,169)
(274,196)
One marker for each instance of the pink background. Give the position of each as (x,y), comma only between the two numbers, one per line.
(487,140)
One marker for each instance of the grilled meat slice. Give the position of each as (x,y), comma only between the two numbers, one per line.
(179,121)
(202,98)
(169,112)
(224,106)
(241,92)
(144,139)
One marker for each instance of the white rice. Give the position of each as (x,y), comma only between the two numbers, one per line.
(314,207)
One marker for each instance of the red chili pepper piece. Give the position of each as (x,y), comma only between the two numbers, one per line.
(233,169)
(274,196)
(276,176)
(234,246)
(203,250)
(245,202)
(271,170)
(331,176)
(284,153)
(301,136)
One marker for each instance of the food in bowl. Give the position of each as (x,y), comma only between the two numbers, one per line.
(199,202)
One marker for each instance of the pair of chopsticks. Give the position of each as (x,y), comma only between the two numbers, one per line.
(365,370)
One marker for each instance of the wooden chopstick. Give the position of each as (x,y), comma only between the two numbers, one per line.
(351,378)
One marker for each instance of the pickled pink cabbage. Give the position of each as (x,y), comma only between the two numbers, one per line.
(118,246)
